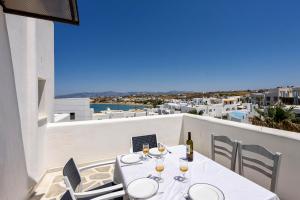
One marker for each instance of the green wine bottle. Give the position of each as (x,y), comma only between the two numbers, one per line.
(189,148)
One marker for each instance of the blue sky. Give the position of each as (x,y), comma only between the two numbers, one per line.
(162,45)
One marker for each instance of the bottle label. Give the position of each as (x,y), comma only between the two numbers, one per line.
(188,149)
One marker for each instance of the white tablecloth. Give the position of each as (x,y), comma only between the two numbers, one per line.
(201,170)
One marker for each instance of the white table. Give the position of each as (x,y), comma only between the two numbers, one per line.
(201,170)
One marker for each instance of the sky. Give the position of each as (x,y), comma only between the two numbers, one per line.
(163,45)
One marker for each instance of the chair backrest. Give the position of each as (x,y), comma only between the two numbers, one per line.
(138,141)
(271,171)
(70,170)
(223,150)
(67,196)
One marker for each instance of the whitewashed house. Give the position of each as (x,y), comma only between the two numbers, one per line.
(77,108)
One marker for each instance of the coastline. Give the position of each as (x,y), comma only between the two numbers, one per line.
(127,104)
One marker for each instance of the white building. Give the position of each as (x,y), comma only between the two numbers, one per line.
(284,94)
(297,112)
(296,95)
(117,114)
(77,108)
(205,101)
(231,100)
(258,98)
(214,107)
(63,117)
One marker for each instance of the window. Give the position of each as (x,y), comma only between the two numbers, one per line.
(72,116)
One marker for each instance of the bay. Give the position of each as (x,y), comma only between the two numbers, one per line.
(125,107)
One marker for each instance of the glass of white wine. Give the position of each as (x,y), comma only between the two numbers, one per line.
(161,148)
(159,167)
(183,167)
(145,150)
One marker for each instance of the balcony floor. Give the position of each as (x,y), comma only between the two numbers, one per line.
(52,186)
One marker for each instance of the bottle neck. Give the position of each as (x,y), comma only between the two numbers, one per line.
(189,136)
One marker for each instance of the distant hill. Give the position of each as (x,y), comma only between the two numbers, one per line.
(115,94)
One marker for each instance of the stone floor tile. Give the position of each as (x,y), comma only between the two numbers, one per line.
(87,172)
(52,186)
(84,180)
(88,186)
(58,179)
(103,169)
(100,176)
(55,190)
(107,181)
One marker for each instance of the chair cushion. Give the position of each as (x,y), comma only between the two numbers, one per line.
(70,170)
(66,196)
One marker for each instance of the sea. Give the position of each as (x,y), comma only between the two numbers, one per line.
(101,107)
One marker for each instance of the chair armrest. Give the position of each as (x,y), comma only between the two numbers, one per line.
(97,165)
(110,195)
(98,192)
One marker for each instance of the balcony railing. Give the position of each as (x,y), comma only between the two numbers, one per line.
(90,141)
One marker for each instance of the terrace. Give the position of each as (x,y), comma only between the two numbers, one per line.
(33,149)
(91,141)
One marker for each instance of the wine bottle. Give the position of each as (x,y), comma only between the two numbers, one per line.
(189,148)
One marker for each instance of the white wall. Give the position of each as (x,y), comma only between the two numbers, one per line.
(116,115)
(119,114)
(32,49)
(129,114)
(14,182)
(288,143)
(101,116)
(139,114)
(89,141)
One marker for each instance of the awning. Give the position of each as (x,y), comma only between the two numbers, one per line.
(65,11)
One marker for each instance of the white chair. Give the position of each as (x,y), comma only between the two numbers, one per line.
(255,162)
(72,180)
(71,195)
(222,150)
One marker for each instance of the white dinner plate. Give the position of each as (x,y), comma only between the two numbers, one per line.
(131,158)
(200,191)
(142,188)
(155,152)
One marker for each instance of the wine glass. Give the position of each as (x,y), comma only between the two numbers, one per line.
(161,148)
(183,167)
(145,150)
(159,167)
